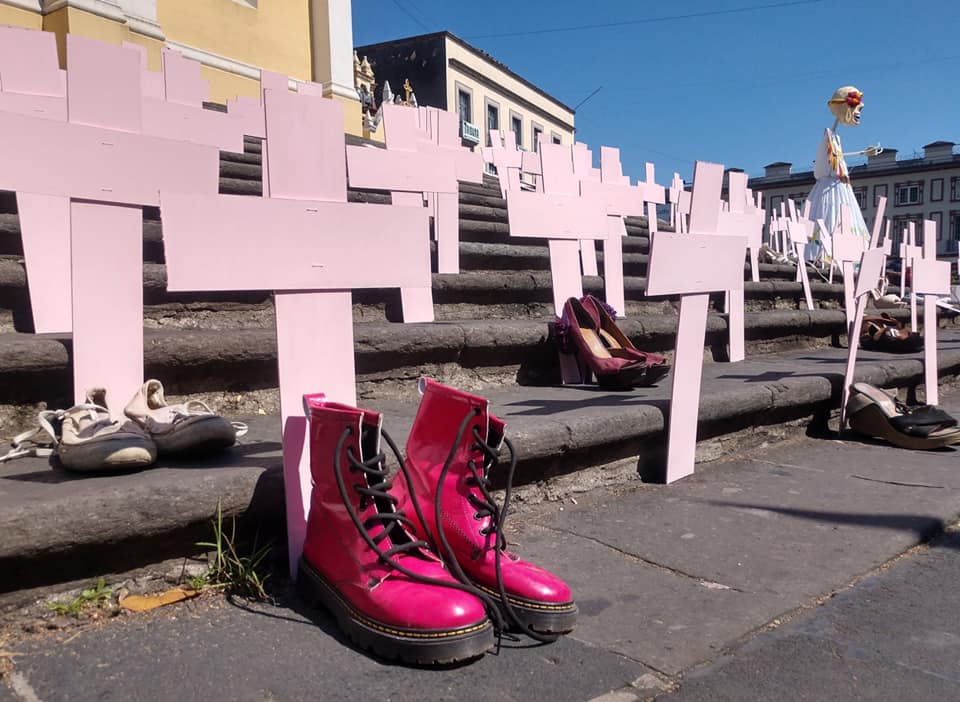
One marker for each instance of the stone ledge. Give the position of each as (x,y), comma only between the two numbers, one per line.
(37,368)
(59,527)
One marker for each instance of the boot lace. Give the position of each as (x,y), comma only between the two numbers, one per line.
(394,521)
(486,506)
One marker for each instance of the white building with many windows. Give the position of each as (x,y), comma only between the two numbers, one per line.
(916,189)
(447,72)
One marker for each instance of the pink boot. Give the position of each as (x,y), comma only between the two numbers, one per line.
(452,446)
(387,591)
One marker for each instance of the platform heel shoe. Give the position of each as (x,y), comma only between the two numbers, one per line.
(451,450)
(388,593)
(612,337)
(583,353)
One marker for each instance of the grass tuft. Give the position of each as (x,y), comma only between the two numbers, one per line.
(236,574)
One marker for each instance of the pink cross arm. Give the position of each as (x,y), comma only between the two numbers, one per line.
(95,163)
(279,244)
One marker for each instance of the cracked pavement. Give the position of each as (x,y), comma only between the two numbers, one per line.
(681,588)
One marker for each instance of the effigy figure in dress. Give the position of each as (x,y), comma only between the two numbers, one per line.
(832,189)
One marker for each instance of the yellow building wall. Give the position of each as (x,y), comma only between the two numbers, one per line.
(228,86)
(274,36)
(73,21)
(17,17)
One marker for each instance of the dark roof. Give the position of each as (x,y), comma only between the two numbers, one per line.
(938,143)
(479,52)
(778,163)
(906,167)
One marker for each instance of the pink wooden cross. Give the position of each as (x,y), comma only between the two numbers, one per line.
(443,130)
(679,204)
(80,185)
(848,248)
(871,268)
(910,251)
(504,155)
(777,232)
(745,218)
(585,172)
(931,278)
(559,215)
(31,82)
(408,171)
(173,104)
(693,265)
(614,194)
(311,246)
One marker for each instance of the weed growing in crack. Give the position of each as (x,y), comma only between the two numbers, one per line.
(93,597)
(229,571)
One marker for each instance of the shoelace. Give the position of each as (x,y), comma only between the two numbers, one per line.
(43,440)
(498,518)
(374,470)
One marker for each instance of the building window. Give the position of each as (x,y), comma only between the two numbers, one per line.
(901,224)
(908,193)
(465,105)
(937,218)
(775,203)
(493,119)
(861,195)
(555,138)
(955,188)
(936,190)
(955,225)
(879,191)
(516,126)
(535,133)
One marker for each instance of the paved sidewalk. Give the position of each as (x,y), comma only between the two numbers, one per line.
(667,578)
(59,527)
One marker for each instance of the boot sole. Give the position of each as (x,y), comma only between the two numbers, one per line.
(418,646)
(542,617)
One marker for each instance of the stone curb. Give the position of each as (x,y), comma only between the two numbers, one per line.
(59,527)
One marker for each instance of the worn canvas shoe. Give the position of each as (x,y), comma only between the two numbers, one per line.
(92,440)
(185,428)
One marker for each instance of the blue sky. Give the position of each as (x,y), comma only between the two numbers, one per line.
(741,88)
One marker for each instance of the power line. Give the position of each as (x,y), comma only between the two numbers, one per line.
(648,20)
(411,15)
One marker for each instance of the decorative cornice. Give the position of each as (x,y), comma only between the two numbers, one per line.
(225,64)
(30,5)
(145,26)
(343,91)
(102,8)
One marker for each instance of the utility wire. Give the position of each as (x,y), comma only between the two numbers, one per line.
(411,15)
(648,20)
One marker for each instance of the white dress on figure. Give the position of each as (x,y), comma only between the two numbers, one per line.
(832,190)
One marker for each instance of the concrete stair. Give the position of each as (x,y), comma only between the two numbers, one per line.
(492,337)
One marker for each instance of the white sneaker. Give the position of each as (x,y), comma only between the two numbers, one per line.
(86,438)
(184,428)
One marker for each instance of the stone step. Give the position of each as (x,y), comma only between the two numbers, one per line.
(389,356)
(486,294)
(568,440)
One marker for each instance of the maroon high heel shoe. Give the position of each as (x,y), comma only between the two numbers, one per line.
(582,352)
(613,337)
